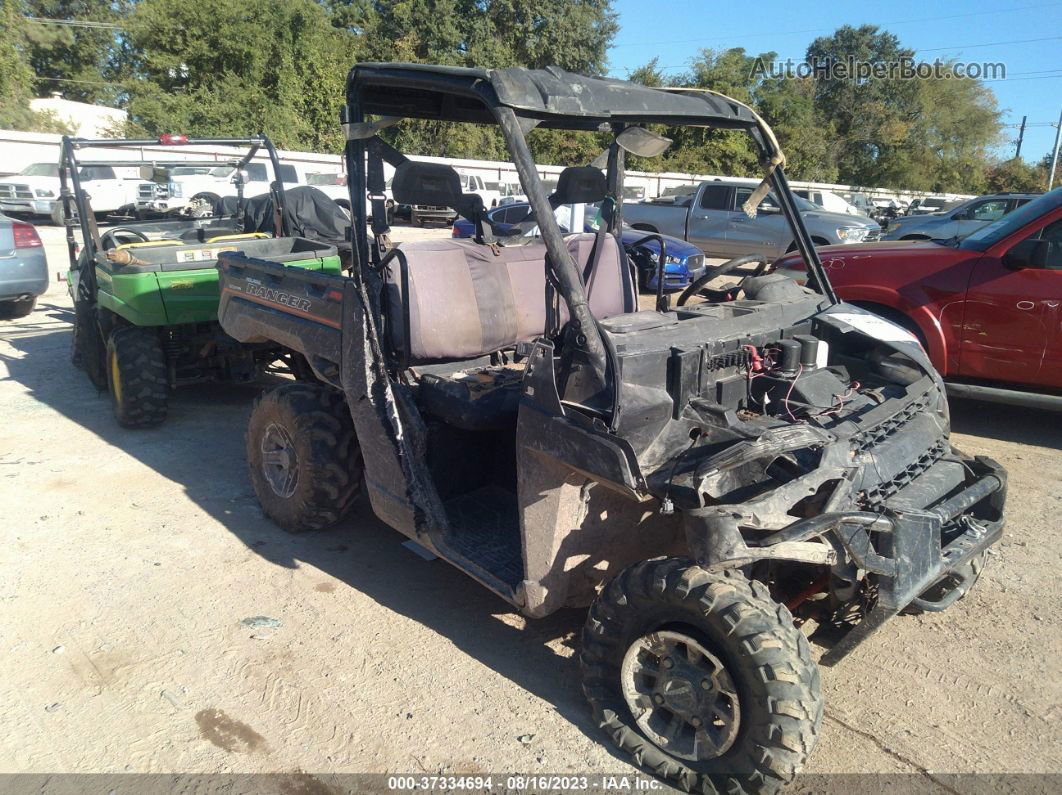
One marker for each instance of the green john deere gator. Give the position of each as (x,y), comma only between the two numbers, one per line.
(146,292)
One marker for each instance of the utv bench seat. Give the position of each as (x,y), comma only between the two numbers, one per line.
(466,301)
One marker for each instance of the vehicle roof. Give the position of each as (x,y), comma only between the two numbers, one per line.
(555,97)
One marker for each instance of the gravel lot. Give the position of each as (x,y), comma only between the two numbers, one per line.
(131,558)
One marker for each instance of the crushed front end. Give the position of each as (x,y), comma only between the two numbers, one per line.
(813,453)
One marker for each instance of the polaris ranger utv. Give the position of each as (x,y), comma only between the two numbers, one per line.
(146,309)
(696,474)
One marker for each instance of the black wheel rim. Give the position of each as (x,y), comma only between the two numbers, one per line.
(280,462)
(680,695)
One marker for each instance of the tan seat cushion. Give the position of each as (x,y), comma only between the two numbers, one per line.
(465,301)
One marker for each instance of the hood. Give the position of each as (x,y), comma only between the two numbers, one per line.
(675,247)
(841,219)
(881,251)
(51,183)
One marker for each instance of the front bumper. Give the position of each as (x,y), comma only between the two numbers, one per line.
(33,206)
(911,555)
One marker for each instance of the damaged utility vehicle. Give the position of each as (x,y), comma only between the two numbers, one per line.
(696,474)
(146,293)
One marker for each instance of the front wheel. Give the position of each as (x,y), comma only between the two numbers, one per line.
(701,677)
(303,456)
(136,377)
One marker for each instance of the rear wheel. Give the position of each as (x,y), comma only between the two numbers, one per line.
(303,456)
(701,677)
(12,310)
(136,377)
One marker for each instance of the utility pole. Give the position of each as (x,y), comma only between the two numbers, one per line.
(1021,135)
(1054,157)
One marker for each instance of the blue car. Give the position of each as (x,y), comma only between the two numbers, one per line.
(685,262)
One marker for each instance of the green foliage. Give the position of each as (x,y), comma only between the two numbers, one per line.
(918,134)
(16,77)
(573,35)
(238,67)
(82,62)
(1016,175)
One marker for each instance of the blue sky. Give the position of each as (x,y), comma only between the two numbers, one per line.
(676,30)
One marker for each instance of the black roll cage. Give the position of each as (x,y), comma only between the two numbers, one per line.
(69,167)
(517,101)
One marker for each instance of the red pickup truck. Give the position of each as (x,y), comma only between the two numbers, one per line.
(987,308)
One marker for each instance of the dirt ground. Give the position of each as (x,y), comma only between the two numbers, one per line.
(133,560)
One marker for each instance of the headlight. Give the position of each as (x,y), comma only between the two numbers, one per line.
(176,190)
(851,234)
(44,193)
(892,227)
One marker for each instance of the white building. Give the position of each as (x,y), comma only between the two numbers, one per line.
(87,121)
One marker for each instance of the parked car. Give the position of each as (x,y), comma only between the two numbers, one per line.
(927,204)
(713,219)
(23,267)
(828,200)
(334,186)
(420,214)
(986,308)
(194,190)
(683,262)
(35,189)
(958,220)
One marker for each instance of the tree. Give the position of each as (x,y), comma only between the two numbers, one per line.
(238,67)
(1015,175)
(573,35)
(16,77)
(870,117)
(81,62)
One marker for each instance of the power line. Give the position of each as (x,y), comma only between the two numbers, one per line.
(826,30)
(989,44)
(934,49)
(74,23)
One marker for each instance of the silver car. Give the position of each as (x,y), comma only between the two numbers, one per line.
(23,268)
(956,220)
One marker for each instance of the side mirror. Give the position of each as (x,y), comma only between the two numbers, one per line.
(1029,254)
(241,176)
(965,215)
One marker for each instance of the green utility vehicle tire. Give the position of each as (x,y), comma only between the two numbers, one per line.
(136,376)
(701,677)
(303,456)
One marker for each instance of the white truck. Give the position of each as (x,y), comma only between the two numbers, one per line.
(35,189)
(193,190)
(470,183)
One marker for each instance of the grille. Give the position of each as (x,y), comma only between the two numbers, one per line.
(723,361)
(872,437)
(876,496)
(10,191)
(873,234)
(695,262)
(146,192)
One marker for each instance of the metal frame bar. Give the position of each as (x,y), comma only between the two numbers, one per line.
(69,165)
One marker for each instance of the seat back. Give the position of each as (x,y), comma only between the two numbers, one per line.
(465,301)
